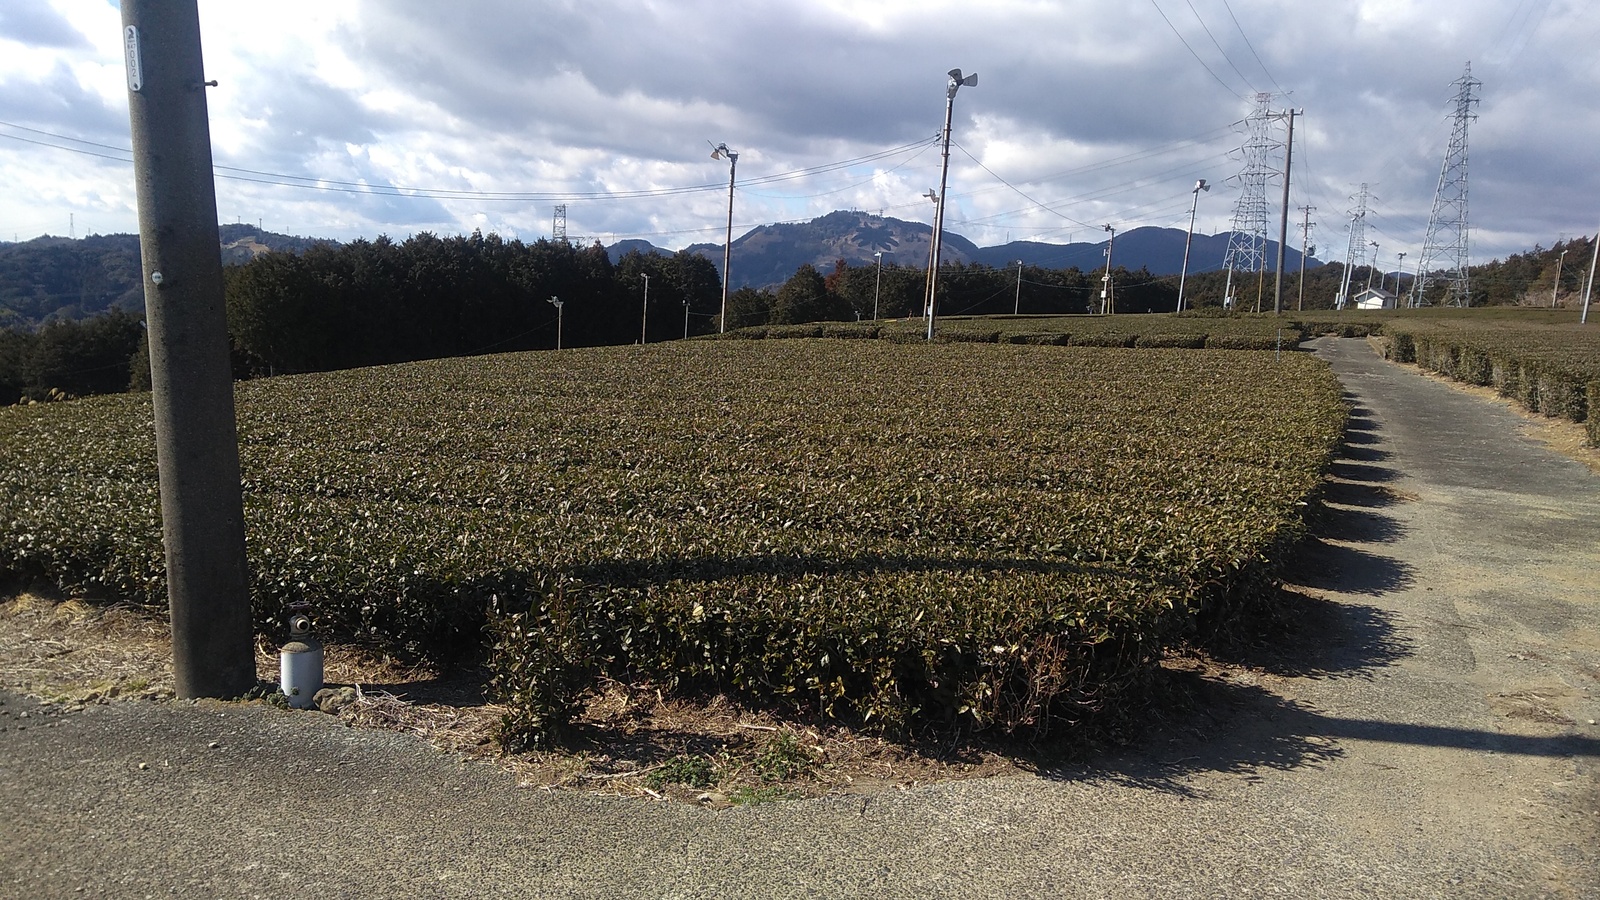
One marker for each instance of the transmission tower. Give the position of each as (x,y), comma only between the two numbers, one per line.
(1355,255)
(1247,241)
(558,229)
(1445,249)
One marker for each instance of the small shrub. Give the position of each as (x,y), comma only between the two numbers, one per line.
(689,771)
(1176,341)
(1104,339)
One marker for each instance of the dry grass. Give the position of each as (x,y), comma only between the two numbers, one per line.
(631,740)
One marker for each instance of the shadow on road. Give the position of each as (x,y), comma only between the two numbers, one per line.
(1273,733)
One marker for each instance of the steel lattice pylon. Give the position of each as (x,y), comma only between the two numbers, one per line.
(1444,252)
(1247,240)
(558,226)
(1355,254)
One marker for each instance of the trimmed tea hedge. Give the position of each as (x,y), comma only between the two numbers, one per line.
(963,535)
(1548,366)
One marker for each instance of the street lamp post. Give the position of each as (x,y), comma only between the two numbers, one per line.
(1107,299)
(877,285)
(1556,288)
(644,315)
(1193,207)
(1016,305)
(558,303)
(721,151)
(954,84)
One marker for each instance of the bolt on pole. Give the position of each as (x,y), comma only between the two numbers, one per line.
(197,446)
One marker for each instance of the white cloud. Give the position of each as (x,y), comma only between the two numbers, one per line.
(1099,112)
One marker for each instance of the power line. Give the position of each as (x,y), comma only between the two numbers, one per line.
(1251,47)
(1226,58)
(357,187)
(1196,56)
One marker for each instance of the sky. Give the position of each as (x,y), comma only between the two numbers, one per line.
(355,118)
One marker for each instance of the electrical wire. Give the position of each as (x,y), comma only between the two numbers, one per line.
(1196,56)
(1226,58)
(279,179)
(1251,47)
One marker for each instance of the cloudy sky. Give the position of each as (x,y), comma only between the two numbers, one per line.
(348,118)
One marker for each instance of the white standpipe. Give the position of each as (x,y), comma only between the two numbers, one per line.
(300,664)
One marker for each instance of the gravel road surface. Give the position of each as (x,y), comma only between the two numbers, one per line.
(1430,735)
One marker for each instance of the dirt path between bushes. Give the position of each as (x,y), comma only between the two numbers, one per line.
(1427,731)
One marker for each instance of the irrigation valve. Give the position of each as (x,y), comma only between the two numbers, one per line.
(300,664)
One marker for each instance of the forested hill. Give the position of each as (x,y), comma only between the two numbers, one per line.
(64,278)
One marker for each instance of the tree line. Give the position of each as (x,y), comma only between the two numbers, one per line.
(380,301)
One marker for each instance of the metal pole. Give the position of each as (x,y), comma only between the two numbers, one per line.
(938,217)
(1305,251)
(1189,237)
(1016,305)
(644,316)
(1283,222)
(1399,270)
(1374,265)
(727,244)
(197,445)
(1588,288)
(1556,288)
(686,318)
(1107,299)
(877,286)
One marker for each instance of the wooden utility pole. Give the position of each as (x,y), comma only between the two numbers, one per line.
(197,447)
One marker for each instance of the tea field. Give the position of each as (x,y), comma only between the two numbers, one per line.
(959,536)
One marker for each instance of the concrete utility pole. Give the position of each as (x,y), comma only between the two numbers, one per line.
(1283,222)
(197,443)
(955,83)
(1107,301)
(1555,289)
(1305,251)
(644,315)
(1188,237)
(1588,287)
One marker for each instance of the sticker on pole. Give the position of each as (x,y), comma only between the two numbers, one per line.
(130,52)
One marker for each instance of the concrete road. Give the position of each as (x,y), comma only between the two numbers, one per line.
(1430,735)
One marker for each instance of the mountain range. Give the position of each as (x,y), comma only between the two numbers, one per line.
(56,277)
(768,255)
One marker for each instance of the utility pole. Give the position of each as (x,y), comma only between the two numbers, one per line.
(721,151)
(1588,288)
(877,285)
(1188,237)
(557,302)
(197,442)
(1305,251)
(1373,266)
(955,82)
(1107,301)
(644,316)
(1283,222)
(1016,305)
(1399,270)
(1556,288)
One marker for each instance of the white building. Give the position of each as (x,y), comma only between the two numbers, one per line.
(1374,298)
